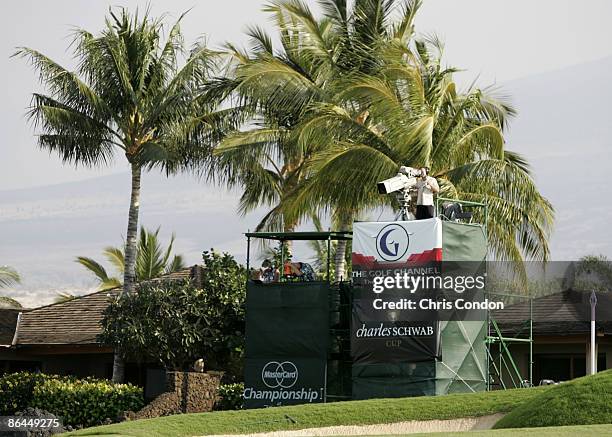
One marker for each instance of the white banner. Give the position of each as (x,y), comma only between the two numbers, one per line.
(397,243)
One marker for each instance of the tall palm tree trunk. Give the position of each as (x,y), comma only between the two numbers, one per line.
(289,226)
(129,276)
(340,257)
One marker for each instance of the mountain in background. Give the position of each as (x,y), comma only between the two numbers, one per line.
(564,128)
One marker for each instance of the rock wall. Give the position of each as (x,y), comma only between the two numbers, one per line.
(186,392)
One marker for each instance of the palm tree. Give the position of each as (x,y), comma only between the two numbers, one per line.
(152,261)
(266,160)
(321,254)
(278,85)
(131,95)
(416,117)
(63,297)
(8,277)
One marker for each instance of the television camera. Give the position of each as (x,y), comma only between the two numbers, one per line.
(404,184)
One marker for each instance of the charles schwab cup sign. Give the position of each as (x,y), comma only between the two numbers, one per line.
(382,331)
(284,382)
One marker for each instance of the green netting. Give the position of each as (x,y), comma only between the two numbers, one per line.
(463,364)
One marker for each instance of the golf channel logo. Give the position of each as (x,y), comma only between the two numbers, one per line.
(279,375)
(392,242)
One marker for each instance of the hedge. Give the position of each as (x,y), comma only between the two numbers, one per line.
(17,389)
(84,402)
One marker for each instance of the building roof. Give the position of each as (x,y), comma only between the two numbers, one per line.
(8,321)
(77,321)
(564,313)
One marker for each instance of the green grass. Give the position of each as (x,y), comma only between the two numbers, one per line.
(317,415)
(583,401)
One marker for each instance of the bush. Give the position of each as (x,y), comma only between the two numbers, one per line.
(174,323)
(230,397)
(17,389)
(87,402)
(77,401)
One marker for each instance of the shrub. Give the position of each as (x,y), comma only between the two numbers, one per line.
(230,397)
(17,389)
(77,401)
(88,401)
(174,323)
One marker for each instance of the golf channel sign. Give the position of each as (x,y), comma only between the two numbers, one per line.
(278,382)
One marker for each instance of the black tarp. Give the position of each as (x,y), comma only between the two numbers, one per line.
(287,335)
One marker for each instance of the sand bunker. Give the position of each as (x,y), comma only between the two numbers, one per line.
(411,427)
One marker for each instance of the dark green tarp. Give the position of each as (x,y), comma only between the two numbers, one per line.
(287,336)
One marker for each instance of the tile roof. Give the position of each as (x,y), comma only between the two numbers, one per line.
(77,321)
(564,313)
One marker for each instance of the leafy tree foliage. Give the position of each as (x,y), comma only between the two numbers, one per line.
(8,276)
(175,323)
(152,260)
(133,94)
(354,94)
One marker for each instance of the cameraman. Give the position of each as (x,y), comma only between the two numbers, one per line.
(426,187)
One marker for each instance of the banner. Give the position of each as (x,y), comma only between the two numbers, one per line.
(385,328)
(287,337)
(275,382)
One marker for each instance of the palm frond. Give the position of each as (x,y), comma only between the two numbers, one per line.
(8,276)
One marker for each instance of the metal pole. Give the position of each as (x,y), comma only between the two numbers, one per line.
(488,347)
(328,257)
(530,341)
(248,257)
(593,301)
(282,266)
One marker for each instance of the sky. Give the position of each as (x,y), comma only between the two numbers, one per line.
(553,57)
(496,40)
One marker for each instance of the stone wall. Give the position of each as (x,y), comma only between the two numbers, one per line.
(186,392)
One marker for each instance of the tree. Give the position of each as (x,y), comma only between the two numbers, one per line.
(590,272)
(175,323)
(8,277)
(320,250)
(416,117)
(63,297)
(358,89)
(152,260)
(278,86)
(130,94)
(266,160)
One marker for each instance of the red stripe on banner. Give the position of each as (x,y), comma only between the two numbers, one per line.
(364,261)
(434,254)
